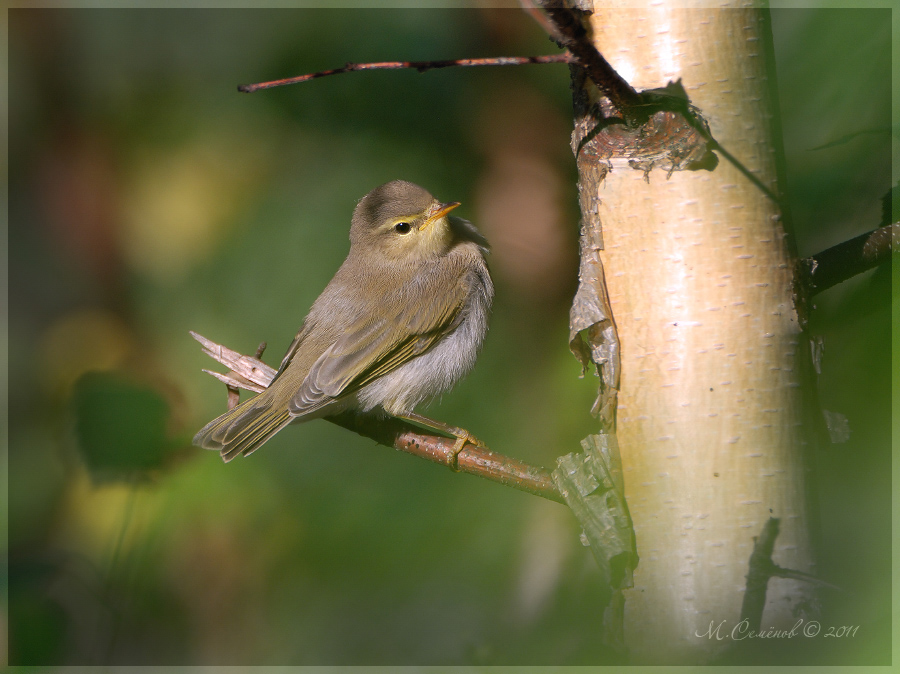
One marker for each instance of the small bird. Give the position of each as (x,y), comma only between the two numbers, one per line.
(402,320)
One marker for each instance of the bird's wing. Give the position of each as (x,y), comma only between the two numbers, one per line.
(292,349)
(372,347)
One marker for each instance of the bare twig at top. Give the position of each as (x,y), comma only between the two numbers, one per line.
(421,66)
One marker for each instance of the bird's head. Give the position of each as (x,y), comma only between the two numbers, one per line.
(402,221)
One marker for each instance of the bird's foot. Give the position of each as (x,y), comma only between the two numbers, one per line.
(463,438)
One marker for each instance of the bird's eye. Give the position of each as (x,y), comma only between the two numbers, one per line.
(402,227)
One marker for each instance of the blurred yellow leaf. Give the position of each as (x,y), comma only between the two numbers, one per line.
(79,342)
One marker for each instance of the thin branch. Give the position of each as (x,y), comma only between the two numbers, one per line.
(850,136)
(421,66)
(780,572)
(845,260)
(252,374)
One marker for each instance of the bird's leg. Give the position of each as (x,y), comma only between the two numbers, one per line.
(462,435)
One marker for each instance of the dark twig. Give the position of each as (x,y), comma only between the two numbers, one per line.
(780,572)
(572,36)
(845,260)
(421,66)
(252,374)
(759,573)
(714,145)
(542,19)
(762,568)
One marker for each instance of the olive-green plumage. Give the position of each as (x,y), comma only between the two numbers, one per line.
(401,321)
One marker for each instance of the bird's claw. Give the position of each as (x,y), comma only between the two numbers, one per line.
(463,437)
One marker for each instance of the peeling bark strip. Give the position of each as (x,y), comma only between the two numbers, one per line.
(668,140)
(592,332)
(591,484)
(697,328)
(672,140)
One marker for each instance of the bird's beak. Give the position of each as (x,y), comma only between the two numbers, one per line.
(437,212)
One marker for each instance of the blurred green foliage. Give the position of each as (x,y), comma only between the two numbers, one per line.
(149,198)
(120,426)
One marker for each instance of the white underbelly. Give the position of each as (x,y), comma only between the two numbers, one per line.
(436,370)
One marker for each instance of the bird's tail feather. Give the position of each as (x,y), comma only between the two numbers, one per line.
(244,429)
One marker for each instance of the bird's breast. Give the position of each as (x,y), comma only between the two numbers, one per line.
(449,360)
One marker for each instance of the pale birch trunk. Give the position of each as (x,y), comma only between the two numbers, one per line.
(700,275)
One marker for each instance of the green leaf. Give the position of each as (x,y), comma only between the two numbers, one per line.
(120,425)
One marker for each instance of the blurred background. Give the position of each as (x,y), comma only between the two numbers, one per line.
(148,198)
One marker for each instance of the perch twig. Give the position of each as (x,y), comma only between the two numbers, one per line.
(252,374)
